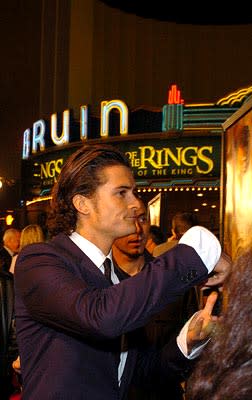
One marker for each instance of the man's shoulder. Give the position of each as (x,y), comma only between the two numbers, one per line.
(148,257)
(60,246)
(53,244)
(163,247)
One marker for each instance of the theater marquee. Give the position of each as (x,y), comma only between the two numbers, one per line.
(166,159)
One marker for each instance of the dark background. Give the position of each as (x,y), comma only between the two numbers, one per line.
(184,12)
(21,68)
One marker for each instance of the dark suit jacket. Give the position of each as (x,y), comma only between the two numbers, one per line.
(69,318)
(5,260)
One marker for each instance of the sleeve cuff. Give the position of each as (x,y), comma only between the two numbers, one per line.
(182,344)
(205,243)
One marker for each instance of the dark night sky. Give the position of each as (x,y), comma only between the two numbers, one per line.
(186,13)
(19,78)
(19,81)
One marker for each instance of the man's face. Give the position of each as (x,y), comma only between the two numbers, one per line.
(14,242)
(133,245)
(111,211)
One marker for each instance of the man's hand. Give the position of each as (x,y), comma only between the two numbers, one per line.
(221,270)
(16,365)
(202,324)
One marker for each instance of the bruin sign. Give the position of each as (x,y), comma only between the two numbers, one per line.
(34,141)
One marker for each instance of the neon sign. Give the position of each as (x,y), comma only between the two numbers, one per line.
(39,127)
(175,116)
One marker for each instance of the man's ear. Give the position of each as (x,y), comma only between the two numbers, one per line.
(80,203)
(174,233)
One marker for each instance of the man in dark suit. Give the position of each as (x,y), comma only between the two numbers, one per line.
(71,320)
(11,240)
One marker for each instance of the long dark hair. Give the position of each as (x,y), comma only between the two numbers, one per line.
(81,174)
(224,371)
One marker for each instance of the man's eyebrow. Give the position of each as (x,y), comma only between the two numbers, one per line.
(128,186)
(124,187)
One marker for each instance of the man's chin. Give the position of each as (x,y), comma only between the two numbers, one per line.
(135,255)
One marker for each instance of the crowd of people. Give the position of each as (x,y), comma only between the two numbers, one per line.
(70,331)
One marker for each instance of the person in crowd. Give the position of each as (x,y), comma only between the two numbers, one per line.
(11,241)
(155,238)
(181,222)
(129,252)
(8,344)
(32,233)
(129,256)
(224,370)
(71,319)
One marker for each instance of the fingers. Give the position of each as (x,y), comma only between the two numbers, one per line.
(210,302)
(196,327)
(203,323)
(221,271)
(202,317)
(217,278)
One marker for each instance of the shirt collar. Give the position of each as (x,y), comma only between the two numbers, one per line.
(90,249)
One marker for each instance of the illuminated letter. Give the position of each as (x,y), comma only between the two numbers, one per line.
(204,158)
(50,166)
(106,107)
(64,138)
(147,154)
(83,122)
(38,137)
(58,165)
(43,171)
(26,144)
(191,152)
(168,153)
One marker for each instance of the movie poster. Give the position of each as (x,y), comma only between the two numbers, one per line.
(237,188)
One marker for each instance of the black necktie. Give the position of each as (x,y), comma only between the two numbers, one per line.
(107,269)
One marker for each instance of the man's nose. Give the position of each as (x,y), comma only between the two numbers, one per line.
(138,226)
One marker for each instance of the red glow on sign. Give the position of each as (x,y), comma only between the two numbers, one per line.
(174,96)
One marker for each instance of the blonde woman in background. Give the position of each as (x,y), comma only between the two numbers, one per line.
(32,233)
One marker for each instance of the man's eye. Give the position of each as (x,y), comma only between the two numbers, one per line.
(143,220)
